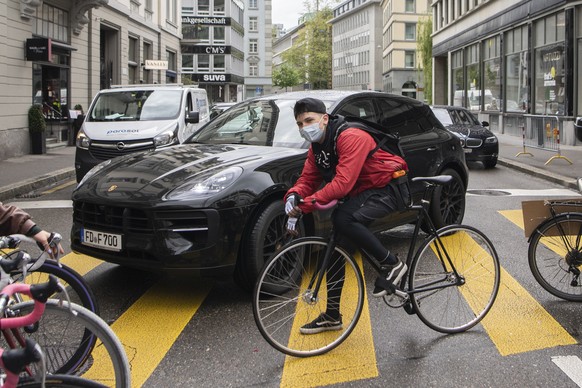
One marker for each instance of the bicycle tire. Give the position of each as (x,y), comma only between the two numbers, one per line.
(280,298)
(60,381)
(551,269)
(78,290)
(454,308)
(76,341)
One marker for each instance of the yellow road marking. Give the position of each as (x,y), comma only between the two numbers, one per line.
(80,263)
(59,187)
(151,325)
(517,322)
(354,359)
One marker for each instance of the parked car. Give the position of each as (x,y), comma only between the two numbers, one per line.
(215,203)
(140,117)
(479,143)
(219,107)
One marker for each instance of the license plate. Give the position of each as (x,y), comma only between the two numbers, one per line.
(103,240)
(468,150)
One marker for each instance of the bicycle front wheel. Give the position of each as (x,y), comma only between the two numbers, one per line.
(75,341)
(284,298)
(454,282)
(555,256)
(77,288)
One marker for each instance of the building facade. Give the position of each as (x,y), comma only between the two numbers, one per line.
(58,54)
(401,73)
(279,47)
(212,47)
(258,44)
(509,60)
(357,45)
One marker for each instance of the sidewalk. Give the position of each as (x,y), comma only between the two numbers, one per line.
(23,174)
(27,173)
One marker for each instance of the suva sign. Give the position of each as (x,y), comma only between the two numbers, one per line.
(214,77)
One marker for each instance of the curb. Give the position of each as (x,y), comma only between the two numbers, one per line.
(552,177)
(28,185)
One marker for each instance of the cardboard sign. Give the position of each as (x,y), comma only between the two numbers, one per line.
(536,212)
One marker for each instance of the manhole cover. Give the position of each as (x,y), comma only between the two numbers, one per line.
(495,193)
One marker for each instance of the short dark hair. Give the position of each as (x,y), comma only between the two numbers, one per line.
(309,104)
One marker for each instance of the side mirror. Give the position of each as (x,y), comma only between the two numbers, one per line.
(193,117)
(485,123)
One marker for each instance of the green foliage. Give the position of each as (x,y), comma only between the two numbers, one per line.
(311,54)
(36,121)
(285,76)
(424,46)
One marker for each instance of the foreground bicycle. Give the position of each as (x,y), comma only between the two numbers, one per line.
(555,250)
(452,282)
(75,340)
(38,269)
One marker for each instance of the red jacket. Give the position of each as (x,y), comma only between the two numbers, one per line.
(355,172)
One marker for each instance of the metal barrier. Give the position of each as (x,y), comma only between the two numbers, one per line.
(542,132)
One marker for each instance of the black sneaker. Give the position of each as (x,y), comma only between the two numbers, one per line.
(393,273)
(321,323)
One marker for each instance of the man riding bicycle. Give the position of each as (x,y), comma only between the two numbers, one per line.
(347,159)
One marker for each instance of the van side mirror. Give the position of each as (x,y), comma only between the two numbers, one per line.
(193,117)
(485,123)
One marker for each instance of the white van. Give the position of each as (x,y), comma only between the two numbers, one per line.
(134,118)
(474,99)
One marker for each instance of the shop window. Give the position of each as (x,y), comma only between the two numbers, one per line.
(492,73)
(516,70)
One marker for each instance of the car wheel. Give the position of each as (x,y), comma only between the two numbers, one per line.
(448,202)
(490,163)
(267,233)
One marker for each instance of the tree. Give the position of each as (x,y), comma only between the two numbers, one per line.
(424,45)
(311,54)
(285,76)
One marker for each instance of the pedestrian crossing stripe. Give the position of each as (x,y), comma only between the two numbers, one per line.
(354,359)
(517,323)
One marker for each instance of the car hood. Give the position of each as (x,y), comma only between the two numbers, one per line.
(470,130)
(126,130)
(151,175)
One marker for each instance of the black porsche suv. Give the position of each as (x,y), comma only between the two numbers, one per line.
(215,203)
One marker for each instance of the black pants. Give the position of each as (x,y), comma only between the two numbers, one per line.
(351,220)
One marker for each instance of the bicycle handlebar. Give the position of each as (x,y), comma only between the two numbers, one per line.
(39,292)
(326,206)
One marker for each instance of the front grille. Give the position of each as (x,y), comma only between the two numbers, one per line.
(473,143)
(103,150)
(191,225)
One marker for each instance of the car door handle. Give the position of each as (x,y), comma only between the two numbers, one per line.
(431,149)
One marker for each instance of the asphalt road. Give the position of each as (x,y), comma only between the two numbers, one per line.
(180,330)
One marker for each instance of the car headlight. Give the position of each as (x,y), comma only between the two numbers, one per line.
(491,140)
(207,185)
(164,139)
(82,140)
(94,171)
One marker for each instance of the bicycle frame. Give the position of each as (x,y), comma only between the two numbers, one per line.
(421,216)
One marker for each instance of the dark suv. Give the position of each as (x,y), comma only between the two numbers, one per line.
(215,203)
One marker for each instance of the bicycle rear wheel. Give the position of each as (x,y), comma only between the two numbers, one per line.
(555,256)
(282,299)
(77,288)
(444,301)
(75,341)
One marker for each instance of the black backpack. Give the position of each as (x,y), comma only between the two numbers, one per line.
(385,140)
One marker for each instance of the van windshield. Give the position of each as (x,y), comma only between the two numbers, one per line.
(138,105)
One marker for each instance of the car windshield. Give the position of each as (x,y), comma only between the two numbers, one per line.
(138,105)
(443,116)
(257,122)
